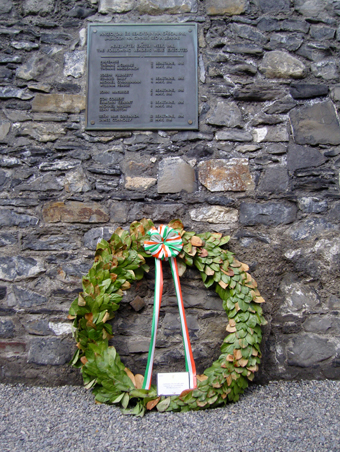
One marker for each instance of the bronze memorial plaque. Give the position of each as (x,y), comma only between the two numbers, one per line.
(142,77)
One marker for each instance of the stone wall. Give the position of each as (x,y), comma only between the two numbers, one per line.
(263,167)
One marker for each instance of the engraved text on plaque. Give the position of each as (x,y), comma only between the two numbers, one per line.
(142,77)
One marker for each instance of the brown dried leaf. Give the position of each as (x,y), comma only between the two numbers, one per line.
(229,380)
(150,405)
(223,396)
(237,307)
(236,263)
(230,358)
(71,317)
(201,404)
(196,241)
(89,317)
(244,267)
(193,251)
(131,376)
(248,277)
(222,284)
(113,277)
(176,224)
(201,377)
(139,381)
(230,329)
(237,353)
(106,317)
(81,301)
(253,368)
(232,322)
(204,253)
(125,286)
(83,359)
(209,271)
(243,362)
(254,352)
(259,300)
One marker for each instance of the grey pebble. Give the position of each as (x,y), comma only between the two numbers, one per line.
(294,416)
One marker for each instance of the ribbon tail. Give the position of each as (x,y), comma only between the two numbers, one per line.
(189,358)
(154,326)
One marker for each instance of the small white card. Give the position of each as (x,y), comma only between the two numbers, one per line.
(172,383)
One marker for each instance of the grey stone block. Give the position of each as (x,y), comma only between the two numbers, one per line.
(7,328)
(309,350)
(93,236)
(315,124)
(10,218)
(27,299)
(271,6)
(274,180)
(18,267)
(271,213)
(306,229)
(308,91)
(175,175)
(50,351)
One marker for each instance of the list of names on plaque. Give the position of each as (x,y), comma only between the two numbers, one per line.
(142,77)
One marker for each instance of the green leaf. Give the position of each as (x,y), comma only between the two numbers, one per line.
(125,400)
(163,405)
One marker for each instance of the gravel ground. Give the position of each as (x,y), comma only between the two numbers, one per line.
(281,416)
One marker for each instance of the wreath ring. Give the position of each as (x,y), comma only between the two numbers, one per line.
(120,261)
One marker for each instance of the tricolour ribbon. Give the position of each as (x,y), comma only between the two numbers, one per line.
(166,243)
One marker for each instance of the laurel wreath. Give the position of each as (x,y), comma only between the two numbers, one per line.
(121,261)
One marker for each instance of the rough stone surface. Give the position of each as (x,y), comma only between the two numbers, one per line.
(6,6)
(233,135)
(38,7)
(271,133)
(10,218)
(274,180)
(15,268)
(139,183)
(309,8)
(303,157)
(36,66)
(327,69)
(306,229)
(7,328)
(175,175)
(270,213)
(115,6)
(277,64)
(215,215)
(59,103)
(154,7)
(316,124)
(225,175)
(228,7)
(27,299)
(5,127)
(50,351)
(74,63)
(309,350)
(225,114)
(74,212)
(93,236)
(272,6)
(308,91)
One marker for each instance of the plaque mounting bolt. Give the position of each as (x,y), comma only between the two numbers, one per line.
(190,122)
(92,122)
(94,31)
(190,30)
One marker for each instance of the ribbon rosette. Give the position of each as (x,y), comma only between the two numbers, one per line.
(165,243)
